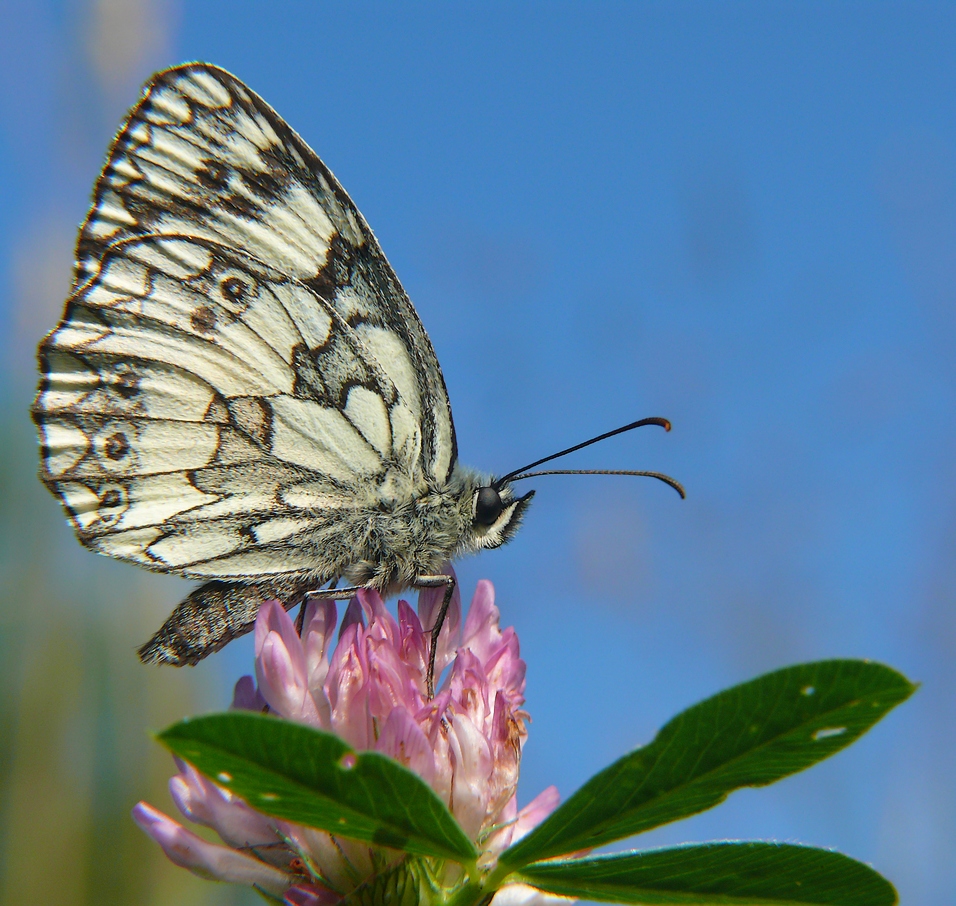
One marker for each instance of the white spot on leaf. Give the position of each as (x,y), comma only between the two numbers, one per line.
(828,732)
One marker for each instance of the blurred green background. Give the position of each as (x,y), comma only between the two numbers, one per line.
(741,216)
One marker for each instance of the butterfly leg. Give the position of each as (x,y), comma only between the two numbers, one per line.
(336,594)
(325,594)
(436,582)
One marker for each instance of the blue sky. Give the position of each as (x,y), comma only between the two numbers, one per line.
(739,216)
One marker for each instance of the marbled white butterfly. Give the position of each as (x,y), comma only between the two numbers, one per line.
(240,390)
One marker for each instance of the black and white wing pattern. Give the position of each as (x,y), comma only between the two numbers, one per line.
(202,155)
(199,409)
(238,378)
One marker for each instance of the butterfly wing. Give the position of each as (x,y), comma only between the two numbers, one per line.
(238,371)
(200,410)
(202,155)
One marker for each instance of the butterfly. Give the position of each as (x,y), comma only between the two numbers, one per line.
(240,391)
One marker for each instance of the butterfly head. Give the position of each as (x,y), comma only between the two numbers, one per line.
(496,511)
(496,514)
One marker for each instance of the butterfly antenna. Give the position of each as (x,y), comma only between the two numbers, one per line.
(660,476)
(518,474)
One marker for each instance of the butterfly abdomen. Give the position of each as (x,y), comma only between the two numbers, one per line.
(213,615)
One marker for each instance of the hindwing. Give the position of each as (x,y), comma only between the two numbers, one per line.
(200,410)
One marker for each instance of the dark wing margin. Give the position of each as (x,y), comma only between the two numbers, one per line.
(202,155)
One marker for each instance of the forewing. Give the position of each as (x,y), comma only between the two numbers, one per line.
(204,414)
(201,155)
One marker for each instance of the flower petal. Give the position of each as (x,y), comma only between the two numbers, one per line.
(414,646)
(481,633)
(203,802)
(280,665)
(536,811)
(353,614)
(347,688)
(246,696)
(280,670)
(318,629)
(403,740)
(273,618)
(381,623)
(505,668)
(472,760)
(310,895)
(341,861)
(208,860)
(526,895)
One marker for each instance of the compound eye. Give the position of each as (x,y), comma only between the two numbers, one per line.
(488,506)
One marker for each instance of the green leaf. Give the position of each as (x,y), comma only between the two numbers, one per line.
(749,735)
(313,778)
(717,873)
